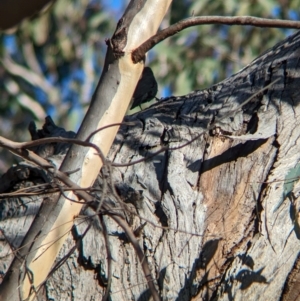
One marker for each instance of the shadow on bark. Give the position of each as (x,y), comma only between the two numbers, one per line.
(207,253)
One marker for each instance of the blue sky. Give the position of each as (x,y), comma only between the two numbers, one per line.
(115,5)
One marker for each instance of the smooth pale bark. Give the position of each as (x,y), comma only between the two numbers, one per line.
(230,200)
(109,105)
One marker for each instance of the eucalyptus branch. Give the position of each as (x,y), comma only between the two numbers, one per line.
(139,53)
(83,195)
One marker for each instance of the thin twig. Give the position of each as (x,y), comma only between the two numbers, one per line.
(61,176)
(48,189)
(130,235)
(11,145)
(139,53)
(152,223)
(108,126)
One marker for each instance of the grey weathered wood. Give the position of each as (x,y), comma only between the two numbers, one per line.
(228,188)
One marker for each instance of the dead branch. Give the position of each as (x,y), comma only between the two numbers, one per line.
(139,53)
(83,195)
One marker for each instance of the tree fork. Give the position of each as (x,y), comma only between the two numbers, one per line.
(109,105)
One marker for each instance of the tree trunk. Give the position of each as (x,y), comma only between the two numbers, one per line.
(217,219)
(108,106)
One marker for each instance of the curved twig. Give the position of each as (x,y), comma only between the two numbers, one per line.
(131,237)
(61,176)
(139,53)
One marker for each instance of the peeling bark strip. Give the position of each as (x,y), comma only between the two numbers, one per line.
(109,104)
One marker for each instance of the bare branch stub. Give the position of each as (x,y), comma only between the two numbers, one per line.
(139,53)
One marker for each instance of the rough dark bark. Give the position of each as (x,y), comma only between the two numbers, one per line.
(221,213)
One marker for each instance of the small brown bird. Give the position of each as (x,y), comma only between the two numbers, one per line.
(145,90)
